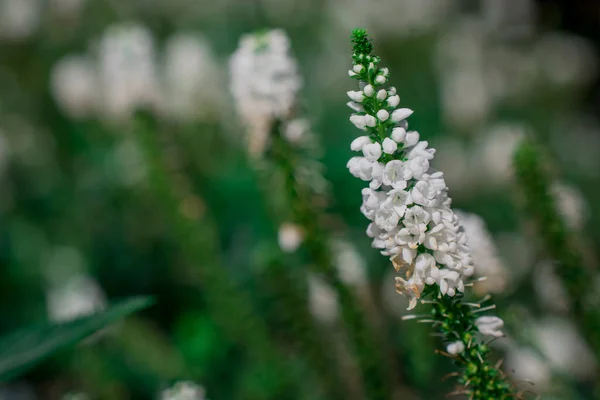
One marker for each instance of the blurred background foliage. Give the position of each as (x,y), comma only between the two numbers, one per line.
(87,216)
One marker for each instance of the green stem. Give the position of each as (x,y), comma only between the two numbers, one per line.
(306,214)
(228,305)
(539,205)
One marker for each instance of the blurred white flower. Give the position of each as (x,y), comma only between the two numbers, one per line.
(490,325)
(71,292)
(350,264)
(264,82)
(74,86)
(453,159)
(571,205)
(77,296)
(564,347)
(565,59)
(494,152)
(485,254)
(517,254)
(19,19)
(296,130)
(466,100)
(290,237)
(549,288)
(289,12)
(127,70)
(455,347)
(322,300)
(394,18)
(75,396)
(509,18)
(192,82)
(184,390)
(527,365)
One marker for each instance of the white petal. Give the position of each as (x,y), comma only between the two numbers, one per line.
(401,113)
(389,146)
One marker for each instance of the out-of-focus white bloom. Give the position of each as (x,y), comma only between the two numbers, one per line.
(396,18)
(564,347)
(549,288)
(75,396)
(74,86)
(184,390)
(127,67)
(527,365)
(322,300)
(495,151)
(466,99)
(485,254)
(489,325)
(509,18)
(19,19)
(71,292)
(290,237)
(455,347)
(78,296)
(193,81)
(571,205)
(452,158)
(264,81)
(296,130)
(565,59)
(350,264)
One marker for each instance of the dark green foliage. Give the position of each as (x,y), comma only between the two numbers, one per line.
(21,350)
(556,241)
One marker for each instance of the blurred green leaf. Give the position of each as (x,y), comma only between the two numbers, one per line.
(22,349)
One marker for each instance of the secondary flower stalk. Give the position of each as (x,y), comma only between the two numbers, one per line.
(413,224)
(265,83)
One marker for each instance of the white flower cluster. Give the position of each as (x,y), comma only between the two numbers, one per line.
(412,221)
(184,390)
(264,82)
(124,73)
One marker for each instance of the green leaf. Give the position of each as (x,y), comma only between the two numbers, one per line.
(22,349)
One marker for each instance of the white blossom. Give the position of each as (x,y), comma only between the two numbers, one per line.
(372,151)
(383,115)
(389,146)
(401,113)
(184,390)
(455,347)
(77,296)
(489,325)
(393,101)
(264,82)
(322,300)
(290,237)
(127,69)
(356,96)
(407,203)
(74,85)
(399,134)
(192,78)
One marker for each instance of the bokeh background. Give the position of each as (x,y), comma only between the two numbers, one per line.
(82,224)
